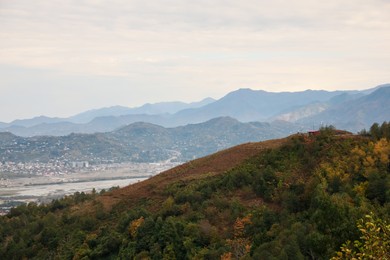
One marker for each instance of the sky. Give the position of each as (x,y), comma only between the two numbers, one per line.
(62,57)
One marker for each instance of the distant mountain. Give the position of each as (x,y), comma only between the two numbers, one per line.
(147,109)
(294,114)
(89,115)
(169,107)
(302,112)
(370,90)
(254,105)
(344,97)
(52,129)
(81,123)
(307,108)
(35,121)
(141,142)
(97,125)
(7,138)
(356,114)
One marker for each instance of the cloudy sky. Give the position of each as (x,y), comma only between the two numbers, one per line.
(61,57)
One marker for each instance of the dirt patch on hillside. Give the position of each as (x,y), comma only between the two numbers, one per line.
(214,164)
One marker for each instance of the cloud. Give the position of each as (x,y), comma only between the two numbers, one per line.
(191,49)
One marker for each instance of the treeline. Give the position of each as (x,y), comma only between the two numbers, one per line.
(300,201)
(377,131)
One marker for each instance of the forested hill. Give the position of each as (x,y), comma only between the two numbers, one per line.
(295,198)
(140,142)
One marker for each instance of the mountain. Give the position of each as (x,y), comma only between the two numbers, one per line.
(299,197)
(96,125)
(170,107)
(82,122)
(147,109)
(245,105)
(7,138)
(254,105)
(295,114)
(89,115)
(110,123)
(35,121)
(142,142)
(356,114)
(54,129)
(307,108)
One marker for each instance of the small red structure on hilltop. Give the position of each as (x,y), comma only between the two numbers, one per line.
(313,132)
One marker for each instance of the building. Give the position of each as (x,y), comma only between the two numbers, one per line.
(84,164)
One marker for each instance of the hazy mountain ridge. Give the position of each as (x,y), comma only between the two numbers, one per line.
(294,114)
(356,113)
(302,112)
(307,108)
(160,108)
(35,121)
(114,111)
(256,105)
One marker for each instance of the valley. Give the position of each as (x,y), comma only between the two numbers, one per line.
(19,187)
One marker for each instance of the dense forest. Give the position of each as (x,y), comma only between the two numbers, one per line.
(304,197)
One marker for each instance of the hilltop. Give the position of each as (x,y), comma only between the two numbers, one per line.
(211,165)
(299,197)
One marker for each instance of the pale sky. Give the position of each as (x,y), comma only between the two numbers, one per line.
(62,57)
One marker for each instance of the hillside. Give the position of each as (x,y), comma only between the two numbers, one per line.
(293,198)
(140,142)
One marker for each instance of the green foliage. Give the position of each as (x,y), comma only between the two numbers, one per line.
(299,201)
(378,131)
(374,243)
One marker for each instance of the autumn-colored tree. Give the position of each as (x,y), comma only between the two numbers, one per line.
(240,245)
(134,225)
(374,244)
(382,150)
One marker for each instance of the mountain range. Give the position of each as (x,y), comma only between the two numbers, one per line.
(141,142)
(350,110)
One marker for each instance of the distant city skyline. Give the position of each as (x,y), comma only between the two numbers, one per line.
(60,58)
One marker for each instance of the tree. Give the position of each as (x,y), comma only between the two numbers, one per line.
(375,131)
(241,244)
(134,225)
(374,244)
